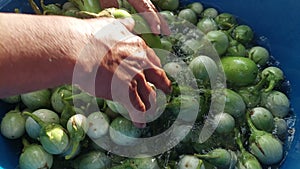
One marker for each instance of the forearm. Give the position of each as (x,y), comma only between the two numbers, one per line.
(37,52)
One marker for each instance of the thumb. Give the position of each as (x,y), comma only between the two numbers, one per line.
(128,22)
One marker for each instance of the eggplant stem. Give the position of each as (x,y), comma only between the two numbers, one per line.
(35,118)
(74,148)
(76,136)
(239,141)
(25,142)
(35,8)
(43,4)
(260,84)
(205,156)
(17,108)
(250,124)
(271,86)
(200,164)
(80,96)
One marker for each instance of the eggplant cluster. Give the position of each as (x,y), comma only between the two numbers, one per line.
(229,102)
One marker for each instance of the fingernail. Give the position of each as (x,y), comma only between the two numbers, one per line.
(167,32)
(169,86)
(158,28)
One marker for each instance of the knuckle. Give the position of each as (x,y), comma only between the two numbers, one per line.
(139,76)
(140,42)
(133,85)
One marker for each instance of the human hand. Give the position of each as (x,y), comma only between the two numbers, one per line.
(99,55)
(145,7)
(119,65)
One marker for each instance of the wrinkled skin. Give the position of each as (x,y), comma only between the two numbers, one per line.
(127,64)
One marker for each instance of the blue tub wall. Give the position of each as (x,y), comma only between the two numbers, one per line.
(275,19)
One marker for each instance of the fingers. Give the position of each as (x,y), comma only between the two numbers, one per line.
(142,97)
(158,77)
(138,107)
(146,67)
(135,98)
(155,74)
(146,92)
(165,30)
(147,9)
(153,21)
(153,57)
(108,3)
(158,24)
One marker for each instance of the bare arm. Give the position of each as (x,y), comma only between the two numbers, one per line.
(37,52)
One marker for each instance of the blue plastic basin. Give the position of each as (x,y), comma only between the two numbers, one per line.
(277,20)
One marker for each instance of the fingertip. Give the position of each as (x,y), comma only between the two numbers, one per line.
(155,28)
(165,30)
(166,86)
(158,77)
(152,99)
(169,87)
(153,57)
